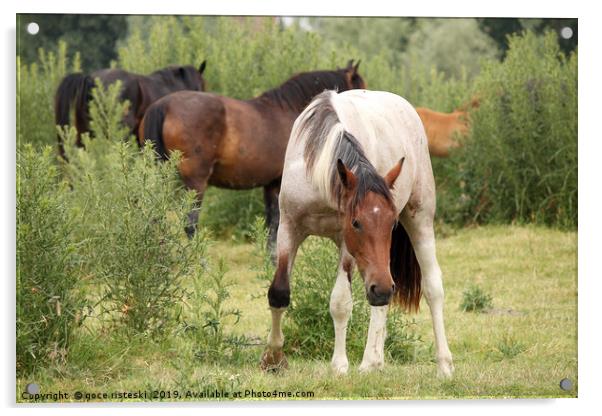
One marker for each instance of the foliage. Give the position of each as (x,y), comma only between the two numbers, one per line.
(37,83)
(509,347)
(520,161)
(453,46)
(308,327)
(49,306)
(240,56)
(499,29)
(371,35)
(230,212)
(475,299)
(93,33)
(212,321)
(131,212)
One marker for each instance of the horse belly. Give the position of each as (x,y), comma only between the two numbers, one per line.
(250,173)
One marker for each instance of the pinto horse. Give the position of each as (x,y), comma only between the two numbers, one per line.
(237,144)
(141,91)
(442,129)
(357,170)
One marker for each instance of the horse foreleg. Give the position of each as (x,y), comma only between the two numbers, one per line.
(272,214)
(341,305)
(279,296)
(374,354)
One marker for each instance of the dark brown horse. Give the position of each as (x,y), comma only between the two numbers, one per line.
(237,144)
(140,90)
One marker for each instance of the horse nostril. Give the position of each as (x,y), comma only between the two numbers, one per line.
(373,289)
(393,288)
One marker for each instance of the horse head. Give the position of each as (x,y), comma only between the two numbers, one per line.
(354,79)
(369,217)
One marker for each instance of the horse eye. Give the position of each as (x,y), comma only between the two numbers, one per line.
(356,224)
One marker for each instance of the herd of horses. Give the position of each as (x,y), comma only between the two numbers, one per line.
(334,159)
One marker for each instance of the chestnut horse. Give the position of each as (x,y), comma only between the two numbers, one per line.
(237,144)
(443,129)
(140,90)
(357,170)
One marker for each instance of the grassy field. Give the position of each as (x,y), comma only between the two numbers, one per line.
(521,347)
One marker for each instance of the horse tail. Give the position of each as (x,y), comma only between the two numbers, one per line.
(405,270)
(67,93)
(153,129)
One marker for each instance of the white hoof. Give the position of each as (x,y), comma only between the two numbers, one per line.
(340,366)
(367,366)
(445,367)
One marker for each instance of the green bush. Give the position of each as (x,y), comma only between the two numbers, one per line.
(36,86)
(49,306)
(210,322)
(131,212)
(475,299)
(520,161)
(308,328)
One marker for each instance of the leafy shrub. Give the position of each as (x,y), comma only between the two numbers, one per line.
(231,213)
(474,299)
(36,86)
(49,305)
(509,347)
(308,328)
(520,161)
(211,320)
(130,212)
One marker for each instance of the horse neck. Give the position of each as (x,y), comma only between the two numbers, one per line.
(273,113)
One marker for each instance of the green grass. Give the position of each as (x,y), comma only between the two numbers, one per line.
(521,347)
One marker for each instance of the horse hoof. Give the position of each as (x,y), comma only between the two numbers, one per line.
(445,369)
(366,367)
(340,367)
(273,361)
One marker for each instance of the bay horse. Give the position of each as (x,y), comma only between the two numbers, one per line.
(140,90)
(443,129)
(237,144)
(357,170)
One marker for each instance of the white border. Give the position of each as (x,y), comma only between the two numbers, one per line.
(589,187)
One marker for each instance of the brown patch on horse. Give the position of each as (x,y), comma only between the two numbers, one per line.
(348,268)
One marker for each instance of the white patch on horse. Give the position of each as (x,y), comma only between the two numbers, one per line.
(374,354)
(388,128)
(376,210)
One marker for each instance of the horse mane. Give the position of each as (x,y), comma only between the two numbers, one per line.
(174,74)
(299,90)
(326,141)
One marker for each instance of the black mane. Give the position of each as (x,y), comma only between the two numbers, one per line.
(186,75)
(315,127)
(296,93)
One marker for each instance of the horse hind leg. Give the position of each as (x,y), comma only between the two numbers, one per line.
(422,235)
(272,215)
(195,178)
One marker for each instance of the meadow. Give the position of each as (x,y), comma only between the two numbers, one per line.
(522,346)
(113,297)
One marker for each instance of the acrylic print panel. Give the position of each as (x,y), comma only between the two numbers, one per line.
(130,288)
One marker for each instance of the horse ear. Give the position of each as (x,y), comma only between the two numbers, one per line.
(347,177)
(202,67)
(356,66)
(349,64)
(393,174)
